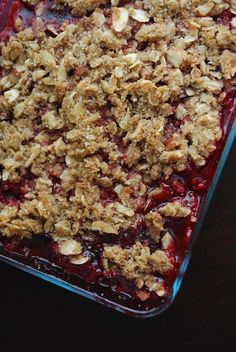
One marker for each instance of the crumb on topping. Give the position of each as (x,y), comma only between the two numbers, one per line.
(154,223)
(174,210)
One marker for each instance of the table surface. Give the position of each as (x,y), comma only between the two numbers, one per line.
(36,315)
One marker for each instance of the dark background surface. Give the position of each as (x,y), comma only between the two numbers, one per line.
(37,316)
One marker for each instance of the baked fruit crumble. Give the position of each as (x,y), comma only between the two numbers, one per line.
(110,114)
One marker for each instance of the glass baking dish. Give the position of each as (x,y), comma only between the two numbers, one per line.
(40,266)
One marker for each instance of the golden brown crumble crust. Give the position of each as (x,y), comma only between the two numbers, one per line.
(84,106)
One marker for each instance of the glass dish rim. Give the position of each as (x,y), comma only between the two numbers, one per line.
(181,270)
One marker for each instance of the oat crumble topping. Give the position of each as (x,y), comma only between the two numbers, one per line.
(85,126)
